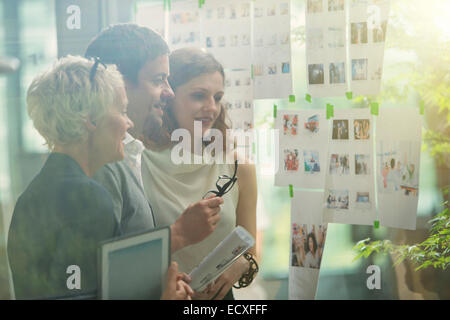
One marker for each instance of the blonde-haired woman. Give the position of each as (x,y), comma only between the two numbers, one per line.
(79,106)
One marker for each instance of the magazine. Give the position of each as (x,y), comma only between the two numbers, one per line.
(223,256)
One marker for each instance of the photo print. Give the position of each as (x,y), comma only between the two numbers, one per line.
(284,8)
(339,164)
(336,37)
(272,10)
(314,6)
(314,38)
(359,33)
(359,69)
(291,160)
(245,40)
(232,11)
(315,74)
(362,163)
(272,69)
(337,72)
(398,169)
(361,129)
(337,199)
(362,200)
(311,161)
(285,67)
(290,124)
(258,70)
(259,12)
(335,5)
(379,32)
(308,242)
(312,124)
(284,38)
(244,10)
(340,130)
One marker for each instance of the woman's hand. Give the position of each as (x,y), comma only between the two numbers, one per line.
(224,283)
(177,287)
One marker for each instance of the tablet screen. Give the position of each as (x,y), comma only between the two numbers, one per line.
(135,267)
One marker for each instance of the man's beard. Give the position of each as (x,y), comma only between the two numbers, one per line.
(152,128)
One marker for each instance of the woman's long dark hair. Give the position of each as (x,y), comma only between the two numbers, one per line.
(185,65)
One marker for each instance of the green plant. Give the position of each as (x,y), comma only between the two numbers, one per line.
(432,252)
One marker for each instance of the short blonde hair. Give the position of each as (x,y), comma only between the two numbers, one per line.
(61,99)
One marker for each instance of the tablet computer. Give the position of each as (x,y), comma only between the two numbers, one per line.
(134,266)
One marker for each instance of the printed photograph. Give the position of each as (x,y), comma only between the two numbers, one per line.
(340,130)
(359,69)
(234,40)
(312,124)
(335,5)
(232,12)
(361,129)
(308,242)
(272,69)
(221,41)
(314,6)
(209,42)
(285,67)
(362,200)
(209,13)
(291,160)
(221,13)
(284,38)
(290,124)
(337,72)
(258,70)
(314,38)
(259,12)
(398,169)
(284,8)
(340,164)
(337,199)
(272,10)
(359,32)
(245,40)
(315,74)
(272,40)
(362,162)
(336,37)
(311,161)
(379,32)
(245,10)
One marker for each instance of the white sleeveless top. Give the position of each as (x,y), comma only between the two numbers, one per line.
(171,188)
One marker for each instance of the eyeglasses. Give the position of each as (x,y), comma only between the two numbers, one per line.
(97,61)
(223,184)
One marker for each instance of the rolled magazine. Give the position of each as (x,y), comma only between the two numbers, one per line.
(223,256)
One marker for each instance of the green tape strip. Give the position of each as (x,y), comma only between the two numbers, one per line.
(251,70)
(374,108)
(291,191)
(167,5)
(330,111)
(349,95)
(422,107)
(253,148)
(274,110)
(376,224)
(308,97)
(292,98)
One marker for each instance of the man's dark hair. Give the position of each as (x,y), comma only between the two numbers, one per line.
(128,46)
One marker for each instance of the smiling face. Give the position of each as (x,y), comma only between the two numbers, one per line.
(148,97)
(111,130)
(199,100)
